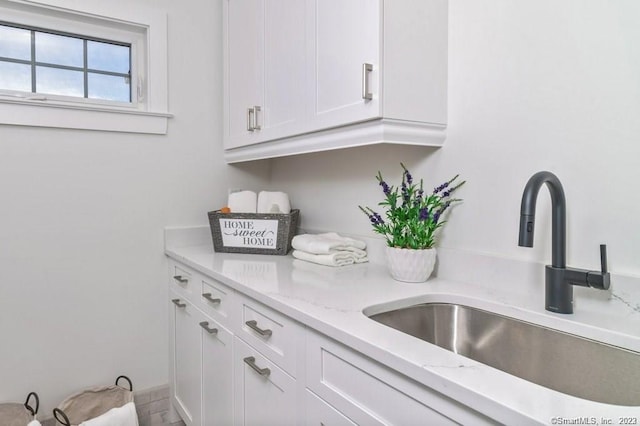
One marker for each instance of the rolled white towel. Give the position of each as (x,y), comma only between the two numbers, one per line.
(273,202)
(338,258)
(243,202)
(326,243)
(121,416)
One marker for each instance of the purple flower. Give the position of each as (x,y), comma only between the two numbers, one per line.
(376,219)
(385,188)
(406,175)
(441,187)
(424,214)
(437,215)
(409,177)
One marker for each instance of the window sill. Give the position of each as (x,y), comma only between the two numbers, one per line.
(23,112)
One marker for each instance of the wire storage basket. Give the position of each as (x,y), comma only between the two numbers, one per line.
(16,414)
(95,402)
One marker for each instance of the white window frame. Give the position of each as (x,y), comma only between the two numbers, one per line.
(142,26)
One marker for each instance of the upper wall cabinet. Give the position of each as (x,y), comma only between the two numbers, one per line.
(311,75)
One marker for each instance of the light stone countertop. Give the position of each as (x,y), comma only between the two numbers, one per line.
(332,301)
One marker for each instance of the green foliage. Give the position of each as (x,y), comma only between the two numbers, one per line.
(412,217)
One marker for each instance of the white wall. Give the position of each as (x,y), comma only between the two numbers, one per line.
(83,294)
(533,85)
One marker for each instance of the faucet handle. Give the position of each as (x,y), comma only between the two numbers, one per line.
(600,280)
(603,258)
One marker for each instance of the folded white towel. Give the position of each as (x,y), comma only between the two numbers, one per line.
(338,258)
(273,202)
(326,243)
(121,416)
(243,202)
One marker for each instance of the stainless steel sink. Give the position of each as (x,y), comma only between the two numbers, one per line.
(566,363)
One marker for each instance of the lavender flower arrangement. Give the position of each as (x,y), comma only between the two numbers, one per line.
(412,217)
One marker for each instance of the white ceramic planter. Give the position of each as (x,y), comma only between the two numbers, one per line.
(408,265)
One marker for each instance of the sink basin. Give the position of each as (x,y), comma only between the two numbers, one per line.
(564,362)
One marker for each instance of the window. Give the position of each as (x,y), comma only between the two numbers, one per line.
(49,62)
(100,68)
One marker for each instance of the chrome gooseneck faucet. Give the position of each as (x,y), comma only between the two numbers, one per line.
(558,278)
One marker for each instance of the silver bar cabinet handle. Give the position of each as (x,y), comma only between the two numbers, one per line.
(251,362)
(366,69)
(253,324)
(205,325)
(181,279)
(256,110)
(178,304)
(210,298)
(250,120)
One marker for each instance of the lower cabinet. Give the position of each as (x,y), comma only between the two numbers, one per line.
(185,359)
(367,393)
(217,374)
(201,366)
(264,394)
(263,368)
(318,412)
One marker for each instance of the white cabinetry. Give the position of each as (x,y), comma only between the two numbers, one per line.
(201,353)
(235,360)
(186,359)
(366,392)
(217,374)
(266,365)
(264,70)
(264,394)
(347,62)
(329,74)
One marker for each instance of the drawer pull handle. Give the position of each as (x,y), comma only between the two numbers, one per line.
(205,325)
(250,113)
(210,298)
(256,125)
(251,362)
(178,304)
(366,70)
(253,324)
(181,279)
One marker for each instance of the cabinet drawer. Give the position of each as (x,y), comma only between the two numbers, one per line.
(270,332)
(318,412)
(181,278)
(372,394)
(216,299)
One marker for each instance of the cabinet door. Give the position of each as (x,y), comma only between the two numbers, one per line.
(266,64)
(285,91)
(319,413)
(217,374)
(185,359)
(264,394)
(244,67)
(348,35)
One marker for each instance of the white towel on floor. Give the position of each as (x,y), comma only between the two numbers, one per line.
(121,416)
(336,258)
(328,243)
